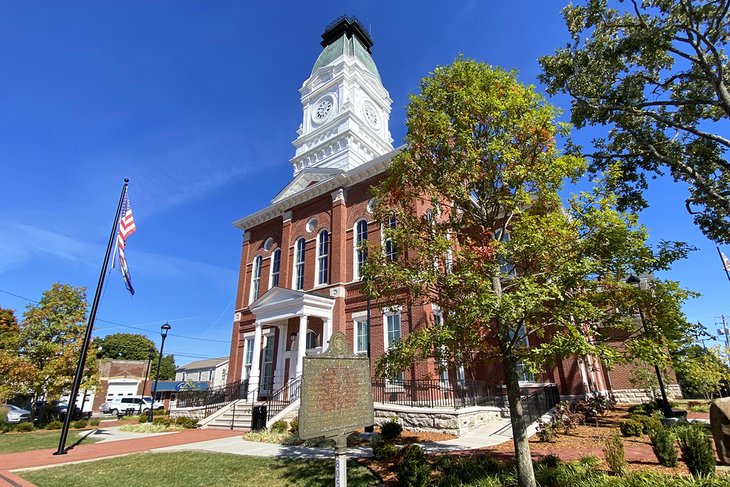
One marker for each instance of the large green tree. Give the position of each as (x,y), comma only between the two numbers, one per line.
(471,208)
(700,370)
(14,370)
(125,346)
(48,342)
(655,74)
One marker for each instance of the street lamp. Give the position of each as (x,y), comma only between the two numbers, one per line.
(633,280)
(163,332)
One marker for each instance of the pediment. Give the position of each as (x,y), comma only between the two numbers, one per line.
(279,303)
(305,178)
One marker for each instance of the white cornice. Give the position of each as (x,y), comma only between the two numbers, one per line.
(344,180)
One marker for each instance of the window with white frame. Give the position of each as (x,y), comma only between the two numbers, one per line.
(438,319)
(247,357)
(361,335)
(323,244)
(523,372)
(449,257)
(311,340)
(298,280)
(391,252)
(255,278)
(392,331)
(361,251)
(505,266)
(275,268)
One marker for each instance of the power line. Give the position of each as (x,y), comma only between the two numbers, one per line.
(127,326)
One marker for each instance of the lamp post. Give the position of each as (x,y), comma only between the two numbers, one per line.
(633,280)
(146,375)
(163,332)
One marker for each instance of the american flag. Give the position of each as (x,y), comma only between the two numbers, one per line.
(126,228)
(725,262)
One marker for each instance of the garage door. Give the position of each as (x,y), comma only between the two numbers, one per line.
(121,388)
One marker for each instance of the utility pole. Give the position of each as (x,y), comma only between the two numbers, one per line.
(724,331)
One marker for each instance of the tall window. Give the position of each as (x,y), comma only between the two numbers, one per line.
(255,278)
(299,264)
(390,249)
(361,336)
(311,340)
(323,244)
(361,251)
(392,335)
(275,267)
(247,357)
(523,371)
(504,265)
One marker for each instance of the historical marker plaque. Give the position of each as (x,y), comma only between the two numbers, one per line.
(336,394)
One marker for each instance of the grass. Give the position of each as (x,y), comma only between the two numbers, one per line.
(38,440)
(150,428)
(198,469)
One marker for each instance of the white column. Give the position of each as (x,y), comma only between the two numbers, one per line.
(253,379)
(302,344)
(279,368)
(326,333)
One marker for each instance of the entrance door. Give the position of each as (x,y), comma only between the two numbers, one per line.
(267,366)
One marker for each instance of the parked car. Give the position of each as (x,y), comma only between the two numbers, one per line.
(158,404)
(121,404)
(16,414)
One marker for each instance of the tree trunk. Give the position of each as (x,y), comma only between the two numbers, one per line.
(525,472)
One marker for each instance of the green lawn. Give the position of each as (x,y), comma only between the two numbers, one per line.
(198,469)
(38,440)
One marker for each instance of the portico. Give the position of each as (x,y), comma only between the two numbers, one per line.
(280,315)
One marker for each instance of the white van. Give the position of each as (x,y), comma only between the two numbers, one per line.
(121,404)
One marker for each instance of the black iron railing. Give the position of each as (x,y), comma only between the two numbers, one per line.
(290,392)
(434,393)
(212,399)
(535,402)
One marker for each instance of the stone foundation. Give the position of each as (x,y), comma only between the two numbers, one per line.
(442,420)
(638,396)
(195,413)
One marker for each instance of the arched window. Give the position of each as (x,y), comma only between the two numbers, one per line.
(275,267)
(391,252)
(361,251)
(311,339)
(255,279)
(299,265)
(323,245)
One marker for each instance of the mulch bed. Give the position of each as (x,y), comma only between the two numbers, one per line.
(581,441)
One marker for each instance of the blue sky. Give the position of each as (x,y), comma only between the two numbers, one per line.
(197,103)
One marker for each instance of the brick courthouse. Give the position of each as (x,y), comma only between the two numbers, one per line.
(300,263)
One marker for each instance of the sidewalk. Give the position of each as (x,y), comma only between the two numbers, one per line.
(104,449)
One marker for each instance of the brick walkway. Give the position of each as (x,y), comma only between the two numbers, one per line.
(94,451)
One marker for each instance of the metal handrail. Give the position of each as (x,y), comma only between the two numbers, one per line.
(213,399)
(280,399)
(435,393)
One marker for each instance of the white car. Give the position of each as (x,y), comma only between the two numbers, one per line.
(121,404)
(16,414)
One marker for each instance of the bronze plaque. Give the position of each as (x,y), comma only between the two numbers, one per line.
(336,394)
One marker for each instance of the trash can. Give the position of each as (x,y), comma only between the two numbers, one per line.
(258,418)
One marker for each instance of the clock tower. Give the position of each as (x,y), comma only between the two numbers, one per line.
(345,106)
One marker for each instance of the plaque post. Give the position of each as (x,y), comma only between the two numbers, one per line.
(341,460)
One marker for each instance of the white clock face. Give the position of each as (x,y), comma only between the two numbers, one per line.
(371,114)
(322,110)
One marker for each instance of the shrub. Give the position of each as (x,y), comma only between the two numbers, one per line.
(550,460)
(469,470)
(649,424)
(94,421)
(698,407)
(383,450)
(187,423)
(573,474)
(631,427)
(280,426)
(413,469)
(24,427)
(143,418)
(663,443)
(80,423)
(159,412)
(564,418)
(613,450)
(697,450)
(162,421)
(589,461)
(294,425)
(546,432)
(54,425)
(392,429)
(150,428)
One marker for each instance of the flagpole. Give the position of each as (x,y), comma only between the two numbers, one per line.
(89,328)
(722,259)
